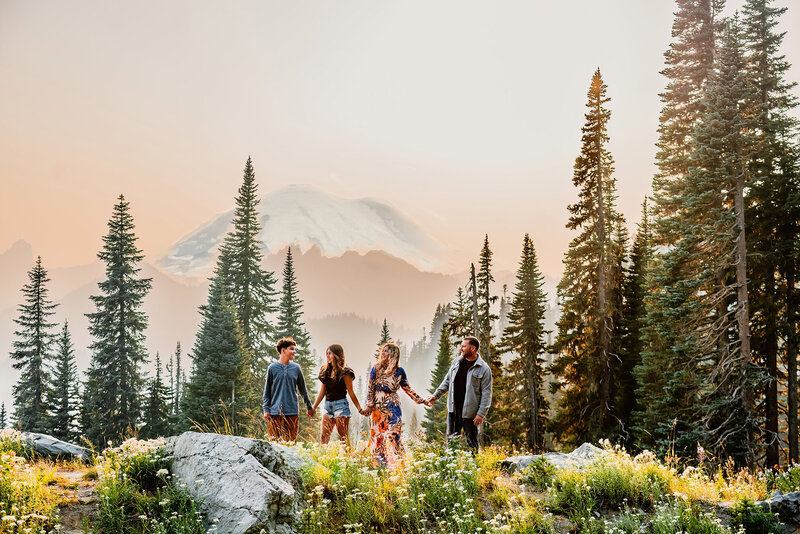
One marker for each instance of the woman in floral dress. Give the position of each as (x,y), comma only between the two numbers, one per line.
(383,406)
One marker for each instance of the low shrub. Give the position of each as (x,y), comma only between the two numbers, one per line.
(754,520)
(539,474)
(617,479)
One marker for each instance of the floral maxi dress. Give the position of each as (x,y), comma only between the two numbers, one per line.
(386,421)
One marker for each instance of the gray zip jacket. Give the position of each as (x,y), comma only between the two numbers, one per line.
(478,396)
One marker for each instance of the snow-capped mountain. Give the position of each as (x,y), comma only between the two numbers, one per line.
(307,217)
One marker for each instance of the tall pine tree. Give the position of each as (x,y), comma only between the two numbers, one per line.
(114,382)
(64,395)
(588,350)
(633,317)
(773,209)
(220,394)
(722,143)
(525,338)
(290,324)
(32,352)
(667,382)
(435,423)
(156,420)
(249,286)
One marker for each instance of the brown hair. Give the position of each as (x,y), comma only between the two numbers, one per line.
(473,341)
(394,362)
(284,343)
(335,368)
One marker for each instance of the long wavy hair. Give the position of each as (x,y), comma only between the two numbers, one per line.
(335,367)
(394,360)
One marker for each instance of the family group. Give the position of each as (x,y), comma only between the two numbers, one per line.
(468,385)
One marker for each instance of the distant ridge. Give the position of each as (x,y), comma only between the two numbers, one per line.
(308,217)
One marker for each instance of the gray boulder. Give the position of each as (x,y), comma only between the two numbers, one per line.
(577,459)
(244,485)
(787,506)
(54,448)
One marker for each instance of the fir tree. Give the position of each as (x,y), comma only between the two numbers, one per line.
(667,382)
(64,396)
(250,287)
(219,393)
(290,324)
(772,214)
(385,337)
(3,416)
(633,316)
(486,318)
(180,380)
(156,412)
(588,351)
(715,209)
(459,322)
(525,337)
(32,352)
(435,423)
(114,384)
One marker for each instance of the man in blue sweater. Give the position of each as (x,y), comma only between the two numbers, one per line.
(279,401)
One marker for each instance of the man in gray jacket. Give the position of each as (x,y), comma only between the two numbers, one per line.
(468,384)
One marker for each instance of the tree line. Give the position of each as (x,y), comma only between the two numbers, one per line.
(683,335)
(687,336)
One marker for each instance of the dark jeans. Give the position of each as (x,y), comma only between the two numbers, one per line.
(456,423)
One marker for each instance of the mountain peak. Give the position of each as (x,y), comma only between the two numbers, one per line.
(306,217)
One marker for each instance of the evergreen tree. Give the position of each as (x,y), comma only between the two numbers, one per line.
(290,324)
(435,423)
(720,169)
(667,381)
(179,380)
(385,337)
(114,384)
(32,352)
(250,287)
(156,412)
(459,322)
(633,316)
(219,393)
(588,351)
(64,396)
(772,214)
(3,416)
(525,337)
(486,318)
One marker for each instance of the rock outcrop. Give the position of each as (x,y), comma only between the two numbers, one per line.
(244,485)
(51,447)
(787,506)
(577,459)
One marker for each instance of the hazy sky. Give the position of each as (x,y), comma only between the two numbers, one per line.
(464,115)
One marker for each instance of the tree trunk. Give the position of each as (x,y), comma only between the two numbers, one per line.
(743,306)
(791,357)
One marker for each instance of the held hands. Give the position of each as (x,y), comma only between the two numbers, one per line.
(429,401)
(310,412)
(366,411)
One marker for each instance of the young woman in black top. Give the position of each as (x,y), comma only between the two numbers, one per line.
(337,383)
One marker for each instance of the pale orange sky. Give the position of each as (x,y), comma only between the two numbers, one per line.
(465,115)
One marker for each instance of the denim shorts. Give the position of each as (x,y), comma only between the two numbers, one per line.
(337,408)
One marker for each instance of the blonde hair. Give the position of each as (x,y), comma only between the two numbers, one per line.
(334,368)
(394,360)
